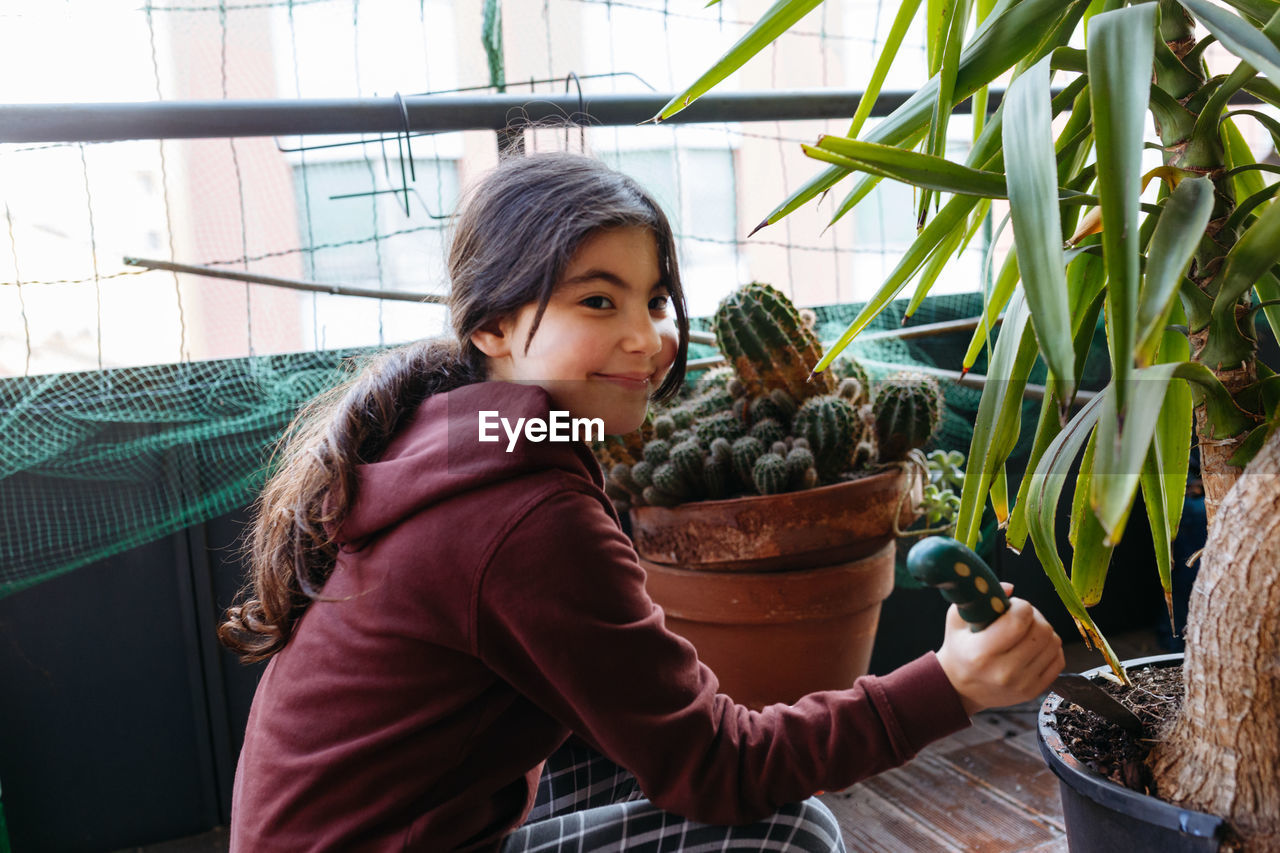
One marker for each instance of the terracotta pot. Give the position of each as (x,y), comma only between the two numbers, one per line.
(1103,816)
(780,594)
(794,530)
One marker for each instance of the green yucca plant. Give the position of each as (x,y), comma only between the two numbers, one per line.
(1181,278)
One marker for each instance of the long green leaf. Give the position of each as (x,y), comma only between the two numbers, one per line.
(1120,455)
(901,22)
(1085,280)
(1259,10)
(922,170)
(999,297)
(1037,223)
(952,214)
(932,269)
(1248,185)
(1272,126)
(955,19)
(1012,32)
(1120,52)
(1153,498)
(996,427)
(1048,479)
(1239,36)
(1091,553)
(1164,473)
(774,23)
(955,243)
(1176,237)
(1257,250)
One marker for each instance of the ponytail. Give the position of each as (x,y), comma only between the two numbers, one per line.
(290,545)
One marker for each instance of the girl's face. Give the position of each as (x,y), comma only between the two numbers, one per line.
(608,335)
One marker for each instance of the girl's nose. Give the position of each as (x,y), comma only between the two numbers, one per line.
(644,335)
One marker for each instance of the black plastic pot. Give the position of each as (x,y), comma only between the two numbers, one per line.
(1102,816)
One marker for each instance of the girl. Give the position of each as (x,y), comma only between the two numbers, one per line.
(462,653)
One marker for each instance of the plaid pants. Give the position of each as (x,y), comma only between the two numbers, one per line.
(585,802)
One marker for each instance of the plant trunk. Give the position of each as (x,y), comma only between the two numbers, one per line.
(1216,471)
(1220,755)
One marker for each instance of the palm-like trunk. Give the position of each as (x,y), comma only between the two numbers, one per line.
(1220,755)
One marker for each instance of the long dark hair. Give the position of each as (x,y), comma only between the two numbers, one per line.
(514,235)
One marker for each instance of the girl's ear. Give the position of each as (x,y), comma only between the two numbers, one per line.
(494,338)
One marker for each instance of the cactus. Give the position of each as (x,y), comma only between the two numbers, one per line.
(655,497)
(721,425)
(768,431)
(642,474)
(770,474)
(799,461)
(716,378)
(620,475)
(777,404)
(850,389)
(657,451)
(848,367)
(746,451)
(668,480)
(831,427)
(683,418)
(906,413)
(663,426)
(763,338)
(708,403)
(686,458)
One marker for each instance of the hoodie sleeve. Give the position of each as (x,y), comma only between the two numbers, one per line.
(561,613)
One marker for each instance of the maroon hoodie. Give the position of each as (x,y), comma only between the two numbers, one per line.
(486,604)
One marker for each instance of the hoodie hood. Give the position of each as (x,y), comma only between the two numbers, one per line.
(438,454)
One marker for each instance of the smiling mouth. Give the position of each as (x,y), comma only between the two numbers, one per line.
(632,382)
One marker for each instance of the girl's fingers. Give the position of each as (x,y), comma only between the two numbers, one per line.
(1012,628)
(1047,665)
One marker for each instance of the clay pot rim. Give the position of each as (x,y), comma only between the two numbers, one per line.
(873,478)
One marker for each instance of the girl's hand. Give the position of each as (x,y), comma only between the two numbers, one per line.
(1012,660)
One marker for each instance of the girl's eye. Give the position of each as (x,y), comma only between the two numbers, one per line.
(596,302)
(659,303)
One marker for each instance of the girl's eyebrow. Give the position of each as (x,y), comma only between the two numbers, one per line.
(611,278)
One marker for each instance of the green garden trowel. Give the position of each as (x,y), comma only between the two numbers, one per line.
(966,580)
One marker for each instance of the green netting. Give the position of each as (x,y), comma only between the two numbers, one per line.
(95,463)
(99,462)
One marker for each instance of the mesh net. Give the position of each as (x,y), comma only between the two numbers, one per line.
(138,401)
(98,462)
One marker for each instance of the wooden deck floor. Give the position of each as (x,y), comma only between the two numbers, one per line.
(983,790)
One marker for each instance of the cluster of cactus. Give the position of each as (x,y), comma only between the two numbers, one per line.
(764,425)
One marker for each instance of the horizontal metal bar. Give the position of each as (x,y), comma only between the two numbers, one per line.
(109,122)
(924,330)
(969,380)
(289,283)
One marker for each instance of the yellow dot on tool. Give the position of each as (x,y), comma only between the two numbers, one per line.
(981,584)
(997,605)
(962,570)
